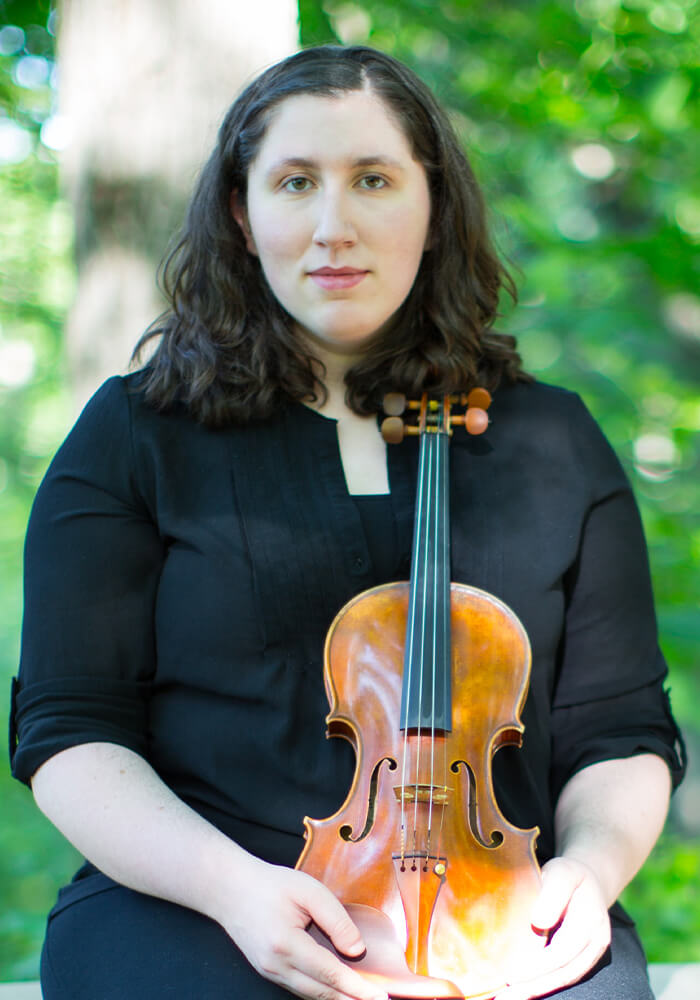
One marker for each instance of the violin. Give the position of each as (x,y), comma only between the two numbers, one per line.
(427,680)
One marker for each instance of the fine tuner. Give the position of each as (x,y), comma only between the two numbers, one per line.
(475,418)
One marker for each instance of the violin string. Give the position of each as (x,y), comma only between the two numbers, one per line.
(444,609)
(436,570)
(446,621)
(424,614)
(411,630)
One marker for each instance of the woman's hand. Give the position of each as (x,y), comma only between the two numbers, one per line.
(269,924)
(607,819)
(571,915)
(112,805)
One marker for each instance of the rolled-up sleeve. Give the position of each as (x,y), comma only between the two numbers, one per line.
(610,700)
(93,558)
(637,722)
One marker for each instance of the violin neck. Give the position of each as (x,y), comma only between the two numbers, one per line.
(426,698)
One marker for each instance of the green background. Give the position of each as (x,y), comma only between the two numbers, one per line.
(582,123)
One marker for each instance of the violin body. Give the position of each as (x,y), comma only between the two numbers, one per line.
(439,882)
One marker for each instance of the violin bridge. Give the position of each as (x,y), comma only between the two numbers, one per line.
(437,795)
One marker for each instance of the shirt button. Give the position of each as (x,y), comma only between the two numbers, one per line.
(359,563)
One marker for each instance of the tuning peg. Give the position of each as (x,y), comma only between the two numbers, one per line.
(476,420)
(393,430)
(479,398)
(394,404)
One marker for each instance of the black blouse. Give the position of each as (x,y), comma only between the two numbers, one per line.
(180,582)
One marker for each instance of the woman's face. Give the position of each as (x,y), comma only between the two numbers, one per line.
(334,187)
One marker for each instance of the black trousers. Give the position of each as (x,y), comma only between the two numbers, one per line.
(105,942)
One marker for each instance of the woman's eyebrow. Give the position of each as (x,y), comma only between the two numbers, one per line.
(377,160)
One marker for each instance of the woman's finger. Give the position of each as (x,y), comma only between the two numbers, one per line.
(331,977)
(560,880)
(558,977)
(329,914)
(575,945)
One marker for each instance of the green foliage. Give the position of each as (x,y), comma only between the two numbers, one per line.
(581,120)
(36,286)
(664,902)
(36,282)
(314,24)
(25,13)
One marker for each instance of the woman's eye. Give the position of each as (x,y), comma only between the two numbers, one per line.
(298,185)
(373,178)
(295,184)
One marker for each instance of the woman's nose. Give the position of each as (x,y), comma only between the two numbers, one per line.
(334,225)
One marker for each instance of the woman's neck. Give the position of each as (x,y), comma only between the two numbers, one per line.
(335,366)
(362,448)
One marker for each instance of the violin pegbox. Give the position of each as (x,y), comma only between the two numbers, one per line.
(475,418)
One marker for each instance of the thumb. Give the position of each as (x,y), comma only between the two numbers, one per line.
(559,882)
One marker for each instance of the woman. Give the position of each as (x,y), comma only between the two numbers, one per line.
(208,516)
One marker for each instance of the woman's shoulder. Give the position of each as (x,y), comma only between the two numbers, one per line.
(547,423)
(122,401)
(120,436)
(538,397)
(546,412)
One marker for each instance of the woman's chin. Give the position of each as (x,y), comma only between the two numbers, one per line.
(338,340)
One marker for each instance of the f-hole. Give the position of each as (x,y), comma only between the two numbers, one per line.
(473,810)
(345,832)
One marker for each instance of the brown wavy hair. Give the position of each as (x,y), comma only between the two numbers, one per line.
(227,348)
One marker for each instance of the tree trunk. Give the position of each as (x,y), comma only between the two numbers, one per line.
(144,85)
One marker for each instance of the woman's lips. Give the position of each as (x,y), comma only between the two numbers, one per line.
(342,279)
